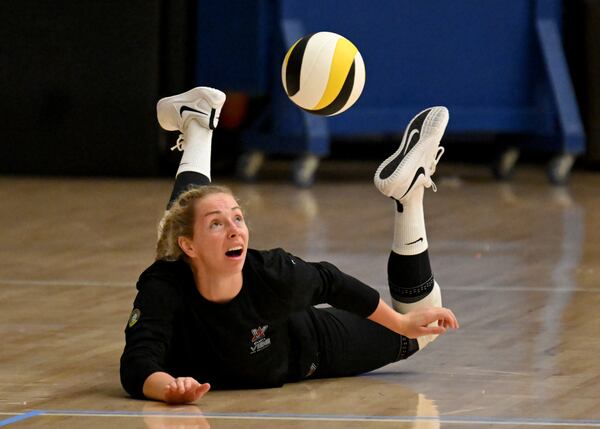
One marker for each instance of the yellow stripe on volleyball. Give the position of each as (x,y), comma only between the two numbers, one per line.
(342,60)
(285,64)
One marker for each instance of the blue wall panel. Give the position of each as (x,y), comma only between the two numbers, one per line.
(467,55)
(480,58)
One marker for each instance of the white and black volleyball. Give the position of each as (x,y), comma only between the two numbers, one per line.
(323,73)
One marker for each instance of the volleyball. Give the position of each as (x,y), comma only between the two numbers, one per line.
(323,73)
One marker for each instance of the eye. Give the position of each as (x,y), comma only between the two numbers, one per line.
(239,219)
(215,224)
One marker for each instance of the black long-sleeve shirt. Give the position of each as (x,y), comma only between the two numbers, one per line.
(245,342)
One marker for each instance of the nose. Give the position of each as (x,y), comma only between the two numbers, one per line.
(233,230)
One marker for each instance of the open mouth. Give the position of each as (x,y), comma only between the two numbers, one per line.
(234,252)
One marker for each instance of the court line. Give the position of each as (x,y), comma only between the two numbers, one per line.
(331,417)
(473,288)
(19,417)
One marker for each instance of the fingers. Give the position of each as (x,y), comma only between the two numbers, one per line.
(200,391)
(432,330)
(437,321)
(185,389)
(172,395)
(204,388)
(452,320)
(445,318)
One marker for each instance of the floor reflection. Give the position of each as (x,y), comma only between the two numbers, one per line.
(162,416)
(374,400)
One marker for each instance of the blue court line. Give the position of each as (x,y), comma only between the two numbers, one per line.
(19,417)
(334,417)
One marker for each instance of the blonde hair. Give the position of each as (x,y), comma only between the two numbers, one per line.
(179,221)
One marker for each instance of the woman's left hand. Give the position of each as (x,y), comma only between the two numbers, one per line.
(416,323)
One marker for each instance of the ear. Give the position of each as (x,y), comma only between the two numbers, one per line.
(186,245)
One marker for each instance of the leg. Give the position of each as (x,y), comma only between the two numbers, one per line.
(350,345)
(404,177)
(195,114)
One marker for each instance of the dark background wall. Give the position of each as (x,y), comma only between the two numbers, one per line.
(79,79)
(582,44)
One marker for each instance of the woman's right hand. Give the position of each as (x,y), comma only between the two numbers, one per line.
(183,390)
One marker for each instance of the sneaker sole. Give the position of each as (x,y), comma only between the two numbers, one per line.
(166,116)
(391,176)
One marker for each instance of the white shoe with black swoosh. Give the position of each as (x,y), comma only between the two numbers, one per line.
(413,164)
(202,103)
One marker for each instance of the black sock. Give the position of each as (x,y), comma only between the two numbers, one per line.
(409,276)
(185,181)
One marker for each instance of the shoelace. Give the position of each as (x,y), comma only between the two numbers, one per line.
(432,167)
(179,144)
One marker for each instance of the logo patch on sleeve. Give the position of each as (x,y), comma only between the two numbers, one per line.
(135,316)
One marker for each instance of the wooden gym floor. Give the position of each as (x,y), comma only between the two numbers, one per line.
(518,263)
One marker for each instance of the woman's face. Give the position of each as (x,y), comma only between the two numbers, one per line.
(220,240)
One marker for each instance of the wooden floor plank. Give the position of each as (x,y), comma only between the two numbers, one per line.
(520,262)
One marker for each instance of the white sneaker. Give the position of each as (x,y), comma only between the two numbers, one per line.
(413,164)
(202,103)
